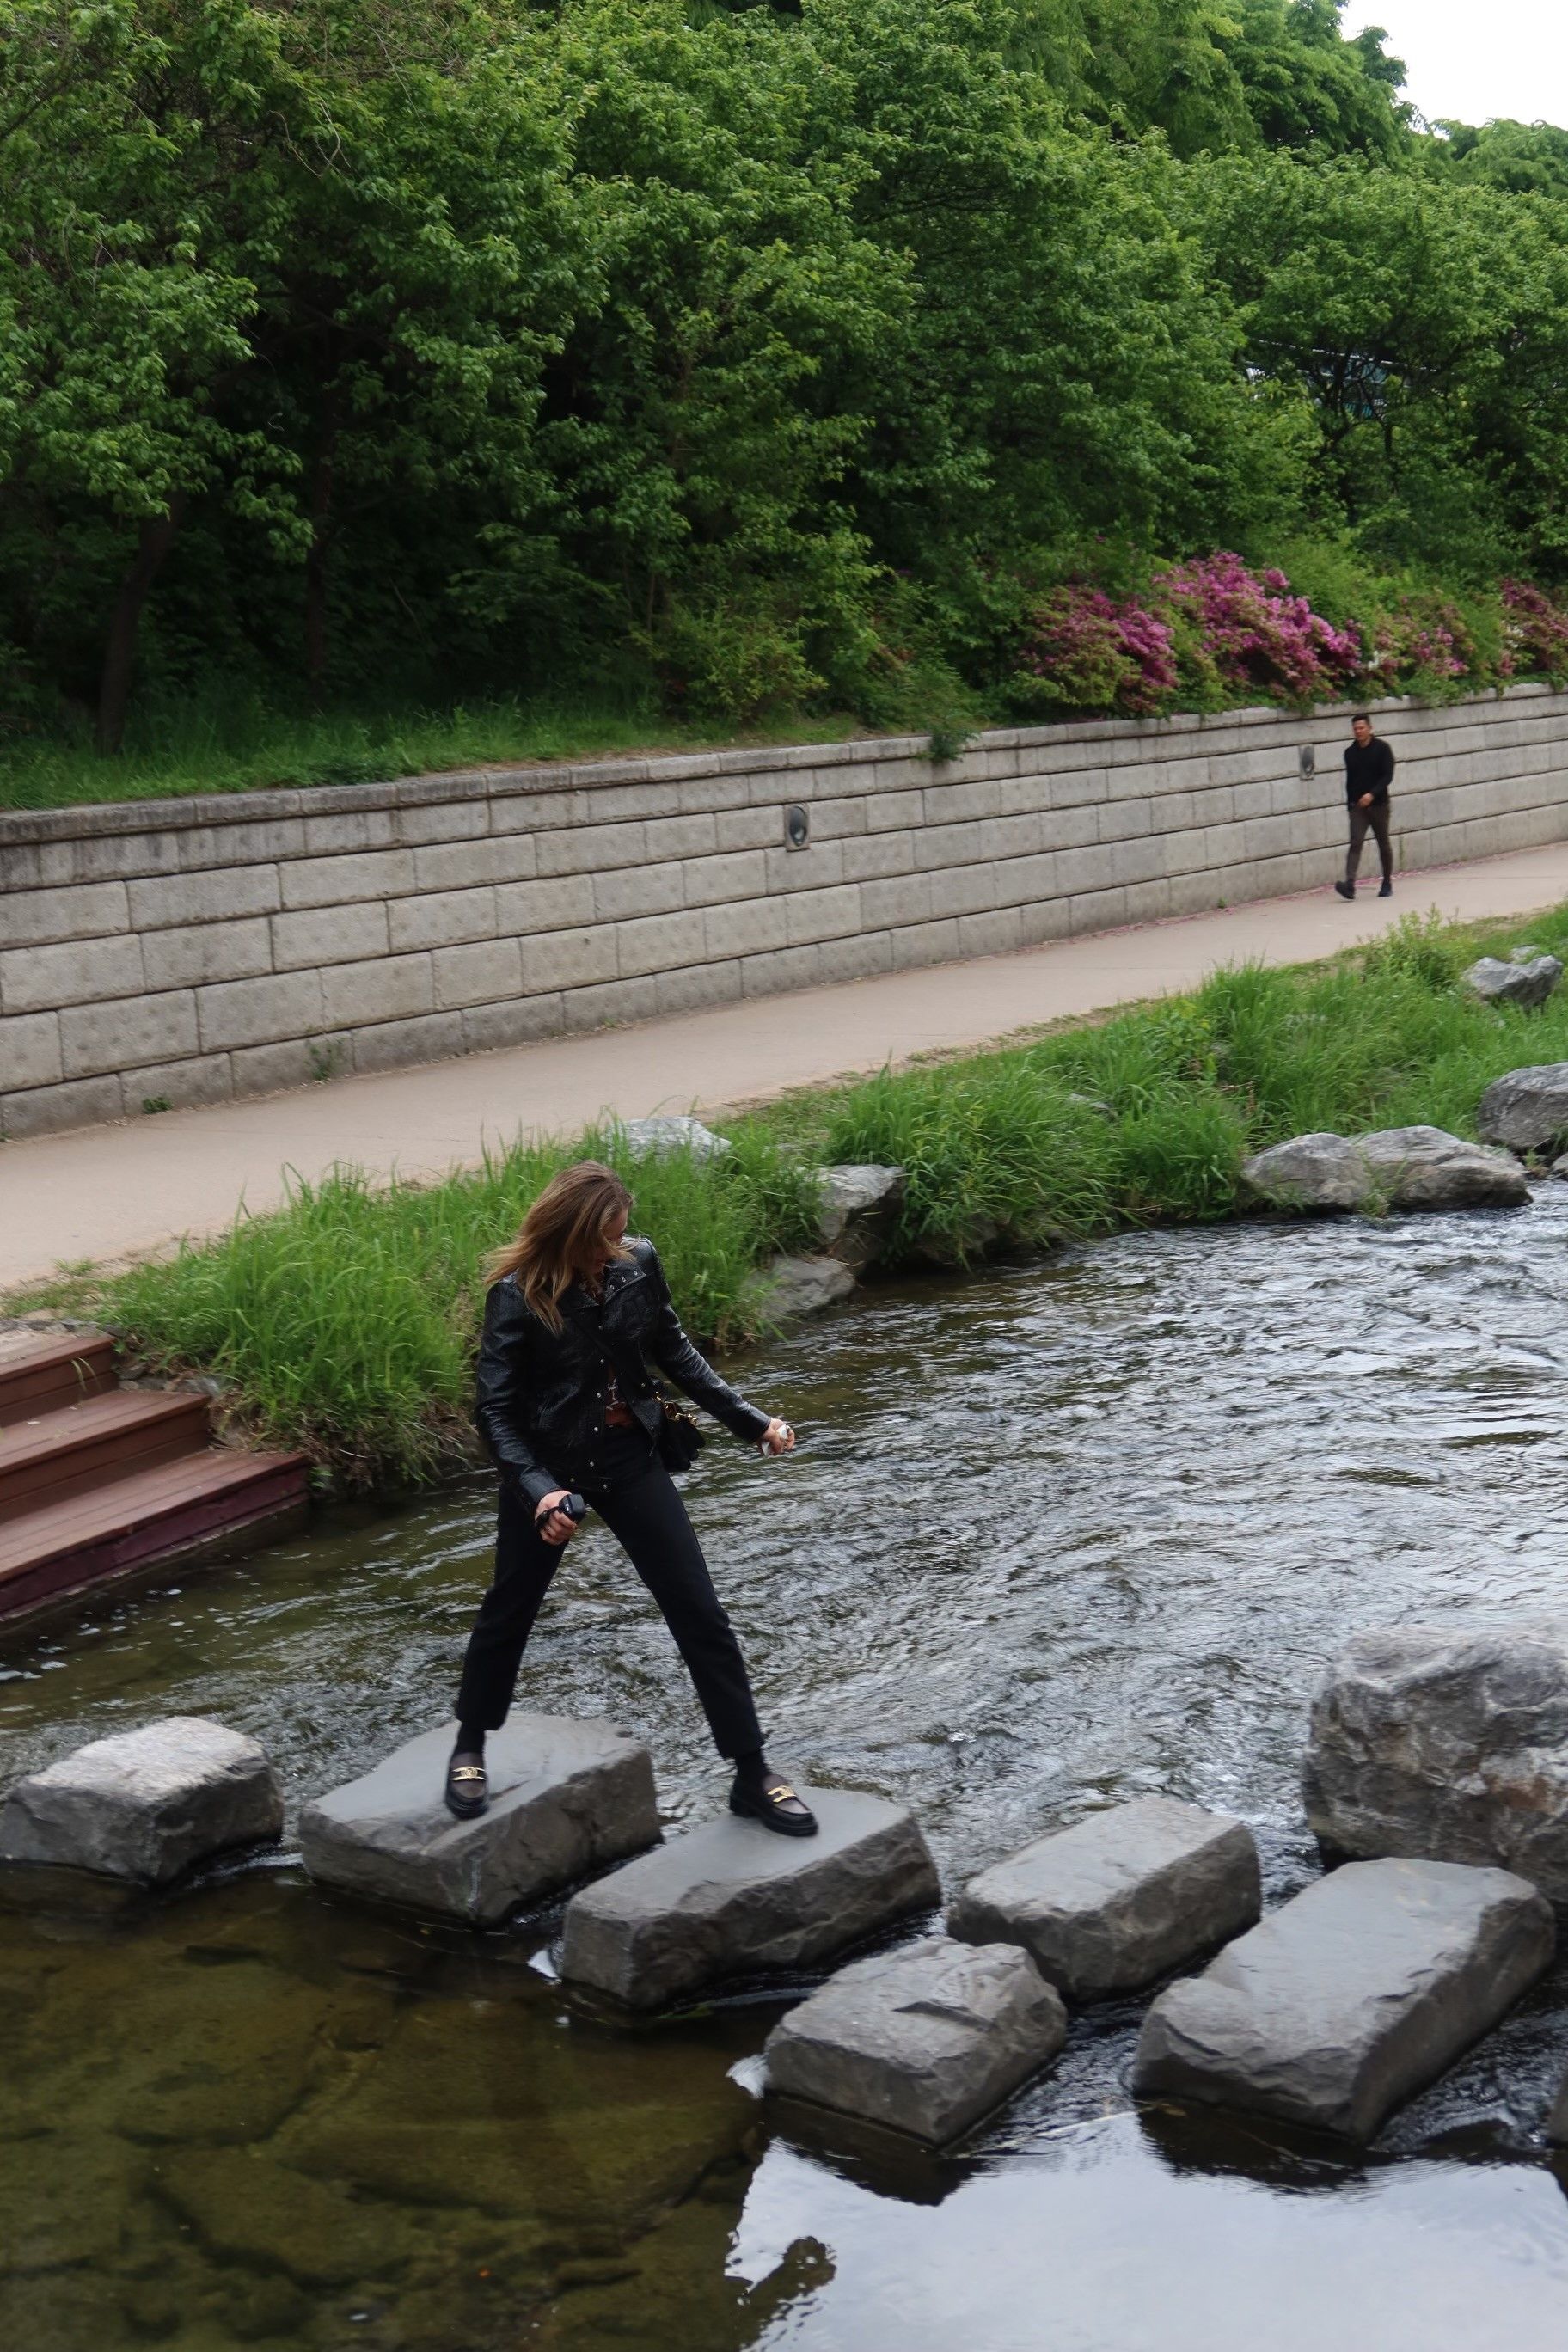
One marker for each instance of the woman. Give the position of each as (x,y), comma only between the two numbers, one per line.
(566,1405)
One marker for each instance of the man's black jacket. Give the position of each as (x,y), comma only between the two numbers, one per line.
(539,1391)
(1369,768)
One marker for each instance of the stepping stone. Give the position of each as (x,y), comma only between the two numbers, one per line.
(566,1798)
(733,1896)
(926,2040)
(1351,1998)
(146,1805)
(1120,1899)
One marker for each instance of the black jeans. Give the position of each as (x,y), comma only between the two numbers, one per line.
(1375,819)
(648,1520)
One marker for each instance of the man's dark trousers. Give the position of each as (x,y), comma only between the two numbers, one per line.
(648,1520)
(1375,821)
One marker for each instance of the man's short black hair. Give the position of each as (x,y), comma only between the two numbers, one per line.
(1362,719)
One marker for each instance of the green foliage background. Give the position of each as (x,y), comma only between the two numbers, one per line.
(713,362)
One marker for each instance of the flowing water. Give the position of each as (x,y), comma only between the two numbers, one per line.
(1056,1535)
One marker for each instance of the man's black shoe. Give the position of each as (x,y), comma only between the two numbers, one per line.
(1345,889)
(1386,891)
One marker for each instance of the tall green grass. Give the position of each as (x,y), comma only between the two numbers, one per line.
(345,1322)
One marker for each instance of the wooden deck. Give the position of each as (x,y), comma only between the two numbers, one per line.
(101,1485)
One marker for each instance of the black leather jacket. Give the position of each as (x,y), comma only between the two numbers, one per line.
(538,1390)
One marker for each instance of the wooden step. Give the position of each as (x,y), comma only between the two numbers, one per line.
(203,1507)
(43,1371)
(87,1445)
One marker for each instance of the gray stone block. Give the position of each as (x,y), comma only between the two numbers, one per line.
(732,1897)
(1525,981)
(207,952)
(1352,1997)
(218,894)
(146,1804)
(924,2041)
(49,1110)
(387,988)
(346,881)
(659,943)
(1396,1167)
(1120,1899)
(83,911)
(566,1798)
(859,1203)
(398,1045)
(1309,1171)
(78,972)
(484,974)
(323,935)
(1449,1742)
(1526,1109)
(566,958)
(177,1085)
(29,1050)
(441,918)
(130,1031)
(656,1139)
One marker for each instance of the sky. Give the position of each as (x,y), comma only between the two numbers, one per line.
(1472,60)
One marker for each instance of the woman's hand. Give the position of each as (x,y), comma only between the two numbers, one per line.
(777,1438)
(556,1527)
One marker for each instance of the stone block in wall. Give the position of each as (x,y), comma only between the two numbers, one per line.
(397,1044)
(440,920)
(388,988)
(902,899)
(1019,836)
(1143,860)
(1096,910)
(692,834)
(491,1028)
(838,820)
(998,932)
(232,847)
(328,935)
(442,822)
(1081,871)
(31,1052)
(348,881)
(922,943)
(31,919)
(349,833)
(902,812)
(711,881)
(819,866)
(177,1085)
(611,1005)
(47,1110)
(859,957)
(822,914)
(754,927)
(481,975)
(217,895)
(1072,828)
(1197,891)
(592,849)
(630,891)
(696,988)
(269,1011)
(1042,919)
(969,890)
(533,906)
(784,969)
(1031,879)
(659,943)
(956,803)
(198,952)
(78,972)
(748,828)
(877,855)
(127,1032)
(470,864)
(938,845)
(568,958)
(299,1062)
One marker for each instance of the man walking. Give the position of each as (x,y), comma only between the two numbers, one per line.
(1369,771)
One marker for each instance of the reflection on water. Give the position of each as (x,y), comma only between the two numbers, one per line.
(1060,1535)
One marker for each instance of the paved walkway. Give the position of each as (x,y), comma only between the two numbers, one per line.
(110,1193)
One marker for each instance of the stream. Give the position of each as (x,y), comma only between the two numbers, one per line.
(1055,1536)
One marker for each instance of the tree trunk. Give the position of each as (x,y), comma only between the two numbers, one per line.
(316,572)
(154,543)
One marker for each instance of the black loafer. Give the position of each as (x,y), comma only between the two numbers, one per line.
(468,1787)
(776,1806)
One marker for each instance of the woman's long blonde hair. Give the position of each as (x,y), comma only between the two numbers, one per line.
(563,1236)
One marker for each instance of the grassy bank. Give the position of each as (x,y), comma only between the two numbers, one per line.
(345,1322)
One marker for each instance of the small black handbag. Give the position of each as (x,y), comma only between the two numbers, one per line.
(679,1439)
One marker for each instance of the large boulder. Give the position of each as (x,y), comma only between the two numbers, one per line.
(1349,1999)
(1424,1168)
(858,1208)
(1394,1168)
(1523,980)
(1449,1742)
(926,2040)
(805,1286)
(566,1798)
(1526,1110)
(1120,1899)
(732,1897)
(146,1805)
(656,1139)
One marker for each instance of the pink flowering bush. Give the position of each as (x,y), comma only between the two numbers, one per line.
(1535,632)
(1238,629)
(1087,651)
(1421,646)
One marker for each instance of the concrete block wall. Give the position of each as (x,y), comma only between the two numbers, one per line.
(190,951)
